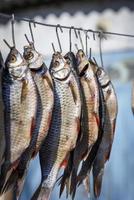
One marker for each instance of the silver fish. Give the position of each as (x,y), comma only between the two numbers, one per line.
(44,85)
(105,146)
(20,110)
(90,118)
(64,128)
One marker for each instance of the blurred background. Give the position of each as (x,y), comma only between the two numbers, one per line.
(118,58)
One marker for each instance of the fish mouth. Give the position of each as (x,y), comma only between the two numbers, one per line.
(18,74)
(61,74)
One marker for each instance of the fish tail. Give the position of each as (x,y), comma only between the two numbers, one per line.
(66,176)
(42,193)
(37,192)
(73,184)
(86,183)
(4,171)
(97,182)
(11,181)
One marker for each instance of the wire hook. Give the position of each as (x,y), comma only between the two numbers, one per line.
(31,31)
(70,36)
(13,35)
(81,38)
(101,35)
(58,26)
(86,37)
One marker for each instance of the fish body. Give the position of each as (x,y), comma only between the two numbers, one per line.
(44,85)
(45,101)
(64,128)
(91,95)
(104,150)
(19,108)
(90,113)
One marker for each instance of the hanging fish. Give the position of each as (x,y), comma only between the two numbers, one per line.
(44,85)
(65,178)
(64,128)
(19,108)
(88,162)
(90,118)
(104,150)
(2,131)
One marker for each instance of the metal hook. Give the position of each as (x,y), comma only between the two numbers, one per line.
(100,46)
(81,39)
(86,37)
(53,47)
(31,32)
(58,26)
(13,35)
(70,36)
(7,44)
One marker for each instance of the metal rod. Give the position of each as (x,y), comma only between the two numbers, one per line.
(2,15)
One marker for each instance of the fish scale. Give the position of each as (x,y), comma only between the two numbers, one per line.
(46,94)
(19,123)
(104,150)
(20,112)
(62,135)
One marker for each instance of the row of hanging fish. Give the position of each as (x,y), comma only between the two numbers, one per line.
(67,113)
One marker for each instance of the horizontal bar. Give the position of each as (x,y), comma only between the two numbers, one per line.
(2,15)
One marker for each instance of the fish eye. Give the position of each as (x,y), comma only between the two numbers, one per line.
(13,59)
(99,72)
(56,63)
(29,56)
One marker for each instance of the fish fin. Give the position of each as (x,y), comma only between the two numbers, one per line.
(4,170)
(37,192)
(64,163)
(11,181)
(33,124)
(97,119)
(42,193)
(97,185)
(73,184)
(64,180)
(86,183)
(87,164)
(73,91)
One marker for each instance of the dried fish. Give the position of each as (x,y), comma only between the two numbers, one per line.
(64,128)
(20,110)
(104,150)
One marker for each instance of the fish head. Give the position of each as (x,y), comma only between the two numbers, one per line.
(16,64)
(71,60)
(33,58)
(102,76)
(82,61)
(80,56)
(59,67)
(58,61)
